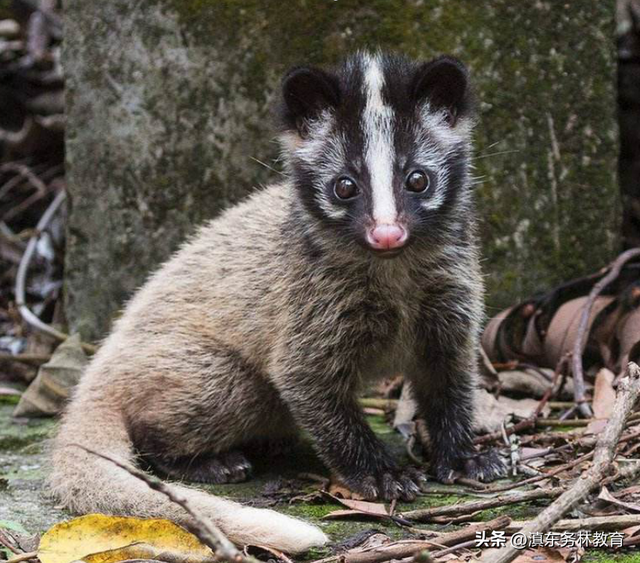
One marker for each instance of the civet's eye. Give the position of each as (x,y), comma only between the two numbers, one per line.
(345,188)
(417,181)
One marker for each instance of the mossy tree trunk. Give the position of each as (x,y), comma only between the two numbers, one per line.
(170,107)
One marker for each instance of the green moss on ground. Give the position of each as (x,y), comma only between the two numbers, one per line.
(607,557)
(19,434)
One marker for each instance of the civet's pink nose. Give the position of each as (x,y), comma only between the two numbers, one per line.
(387,237)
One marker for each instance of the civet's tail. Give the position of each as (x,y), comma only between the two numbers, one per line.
(86,483)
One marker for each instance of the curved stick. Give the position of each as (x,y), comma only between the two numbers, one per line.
(581,337)
(23,267)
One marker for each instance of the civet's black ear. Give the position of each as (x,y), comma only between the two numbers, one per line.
(306,93)
(444,83)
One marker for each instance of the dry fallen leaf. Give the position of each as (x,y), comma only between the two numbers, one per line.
(51,388)
(145,552)
(604,397)
(532,383)
(543,555)
(491,412)
(263,553)
(563,328)
(105,539)
(606,495)
(340,491)
(357,508)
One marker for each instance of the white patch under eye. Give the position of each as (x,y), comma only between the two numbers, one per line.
(379,150)
(328,208)
(333,160)
(429,154)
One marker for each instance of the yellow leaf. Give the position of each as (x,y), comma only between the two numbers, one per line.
(88,537)
(147,552)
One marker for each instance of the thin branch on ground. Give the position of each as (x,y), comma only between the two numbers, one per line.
(426,514)
(600,523)
(23,557)
(410,548)
(30,359)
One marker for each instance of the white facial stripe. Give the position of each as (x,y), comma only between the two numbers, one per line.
(379,150)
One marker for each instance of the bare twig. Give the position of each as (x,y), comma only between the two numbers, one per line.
(22,172)
(31,359)
(464,545)
(627,396)
(205,531)
(23,557)
(600,523)
(582,333)
(410,548)
(426,514)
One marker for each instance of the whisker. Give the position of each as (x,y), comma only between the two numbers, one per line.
(267,166)
(481,156)
(492,145)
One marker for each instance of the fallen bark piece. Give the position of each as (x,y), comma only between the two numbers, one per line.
(628,393)
(47,394)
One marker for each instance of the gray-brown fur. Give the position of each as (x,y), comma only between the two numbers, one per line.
(269,320)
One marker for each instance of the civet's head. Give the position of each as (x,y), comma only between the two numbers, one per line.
(379,148)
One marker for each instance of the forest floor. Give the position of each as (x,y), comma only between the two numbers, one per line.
(277,485)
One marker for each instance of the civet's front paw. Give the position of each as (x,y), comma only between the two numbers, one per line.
(388,484)
(485,467)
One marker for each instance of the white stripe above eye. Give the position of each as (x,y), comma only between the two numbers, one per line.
(379,150)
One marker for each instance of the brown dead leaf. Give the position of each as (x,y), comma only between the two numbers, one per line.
(632,531)
(358,508)
(544,555)
(562,330)
(490,335)
(350,514)
(491,412)
(51,388)
(627,334)
(263,553)
(607,496)
(633,490)
(604,395)
(373,508)
(340,491)
(531,383)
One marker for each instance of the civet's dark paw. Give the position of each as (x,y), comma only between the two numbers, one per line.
(390,484)
(229,467)
(485,467)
